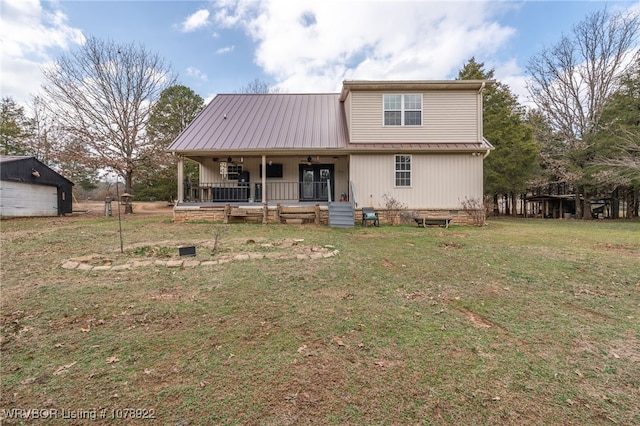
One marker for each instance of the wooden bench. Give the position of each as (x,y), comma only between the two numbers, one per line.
(239,212)
(299,214)
(441,221)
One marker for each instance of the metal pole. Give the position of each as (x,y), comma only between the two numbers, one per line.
(119,218)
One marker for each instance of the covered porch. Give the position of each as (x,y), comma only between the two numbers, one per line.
(239,178)
(231,186)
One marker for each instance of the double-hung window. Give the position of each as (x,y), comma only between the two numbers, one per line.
(403,110)
(402,170)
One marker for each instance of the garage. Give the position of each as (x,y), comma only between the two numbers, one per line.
(28,187)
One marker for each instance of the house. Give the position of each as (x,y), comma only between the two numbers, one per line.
(28,187)
(417,145)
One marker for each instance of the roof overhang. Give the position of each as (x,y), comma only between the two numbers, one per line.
(411,85)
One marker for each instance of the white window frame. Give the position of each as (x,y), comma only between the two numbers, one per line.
(397,171)
(233,171)
(403,109)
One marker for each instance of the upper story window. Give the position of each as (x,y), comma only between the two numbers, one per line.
(403,110)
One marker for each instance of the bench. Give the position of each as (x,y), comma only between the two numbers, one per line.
(298,214)
(441,221)
(239,212)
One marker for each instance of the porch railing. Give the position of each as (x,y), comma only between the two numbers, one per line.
(245,192)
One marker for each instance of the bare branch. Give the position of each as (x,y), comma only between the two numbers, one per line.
(102,95)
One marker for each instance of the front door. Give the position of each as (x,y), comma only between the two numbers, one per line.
(314,180)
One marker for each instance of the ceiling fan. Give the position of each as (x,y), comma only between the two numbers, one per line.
(311,160)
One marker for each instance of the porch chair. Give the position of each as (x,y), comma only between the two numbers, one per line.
(369,215)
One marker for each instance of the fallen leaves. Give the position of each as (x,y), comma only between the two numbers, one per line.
(64,368)
(113,360)
(338,341)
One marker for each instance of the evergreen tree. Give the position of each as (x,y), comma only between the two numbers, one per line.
(177,106)
(513,164)
(15,129)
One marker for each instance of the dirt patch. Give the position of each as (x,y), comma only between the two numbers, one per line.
(480,321)
(450,245)
(618,248)
(628,348)
(388,264)
(96,208)
(588,312)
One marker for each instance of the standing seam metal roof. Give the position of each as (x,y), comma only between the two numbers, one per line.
(267,121)
(263,122)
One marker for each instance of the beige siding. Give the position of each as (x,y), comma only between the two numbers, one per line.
(347,113)
(447,116)
(438,181)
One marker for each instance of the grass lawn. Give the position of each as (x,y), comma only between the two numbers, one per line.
(520,322)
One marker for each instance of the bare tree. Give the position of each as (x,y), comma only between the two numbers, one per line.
(101,95)
(257,86)
(572,80)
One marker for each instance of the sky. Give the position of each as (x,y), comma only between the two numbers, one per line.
(298,46)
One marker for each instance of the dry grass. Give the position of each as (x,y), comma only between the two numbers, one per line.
(521,322)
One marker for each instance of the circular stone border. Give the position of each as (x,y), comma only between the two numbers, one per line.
(83,263)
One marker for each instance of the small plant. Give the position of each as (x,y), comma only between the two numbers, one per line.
(475,208)
(218,232)
(393,208)
(153,251)
(407,216)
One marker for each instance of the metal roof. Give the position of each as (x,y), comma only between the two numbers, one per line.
(258,122)
(7,158)
(423,85)
(302,122)
(417,147)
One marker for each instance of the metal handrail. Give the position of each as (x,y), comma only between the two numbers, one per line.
(352,198)
(234,191)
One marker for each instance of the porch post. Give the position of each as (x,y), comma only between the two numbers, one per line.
(264,179)
(180,180)
(265,208)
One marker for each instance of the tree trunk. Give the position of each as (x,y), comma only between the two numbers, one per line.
(496,210)
(578,204)
(587,203)
(128,182)
(632,202)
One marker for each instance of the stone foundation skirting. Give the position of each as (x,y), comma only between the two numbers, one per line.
(316,214)
(406,216)
(248,213)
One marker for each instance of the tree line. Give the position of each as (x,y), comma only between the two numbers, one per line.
(116,107)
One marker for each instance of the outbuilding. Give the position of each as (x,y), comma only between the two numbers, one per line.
(29,187)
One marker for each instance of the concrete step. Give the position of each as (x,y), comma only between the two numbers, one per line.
(341,215)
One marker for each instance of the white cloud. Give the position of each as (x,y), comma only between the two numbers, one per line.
(223,50)
(197,20)
(195,72)
(514,76)
(312,46)
(27,34)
